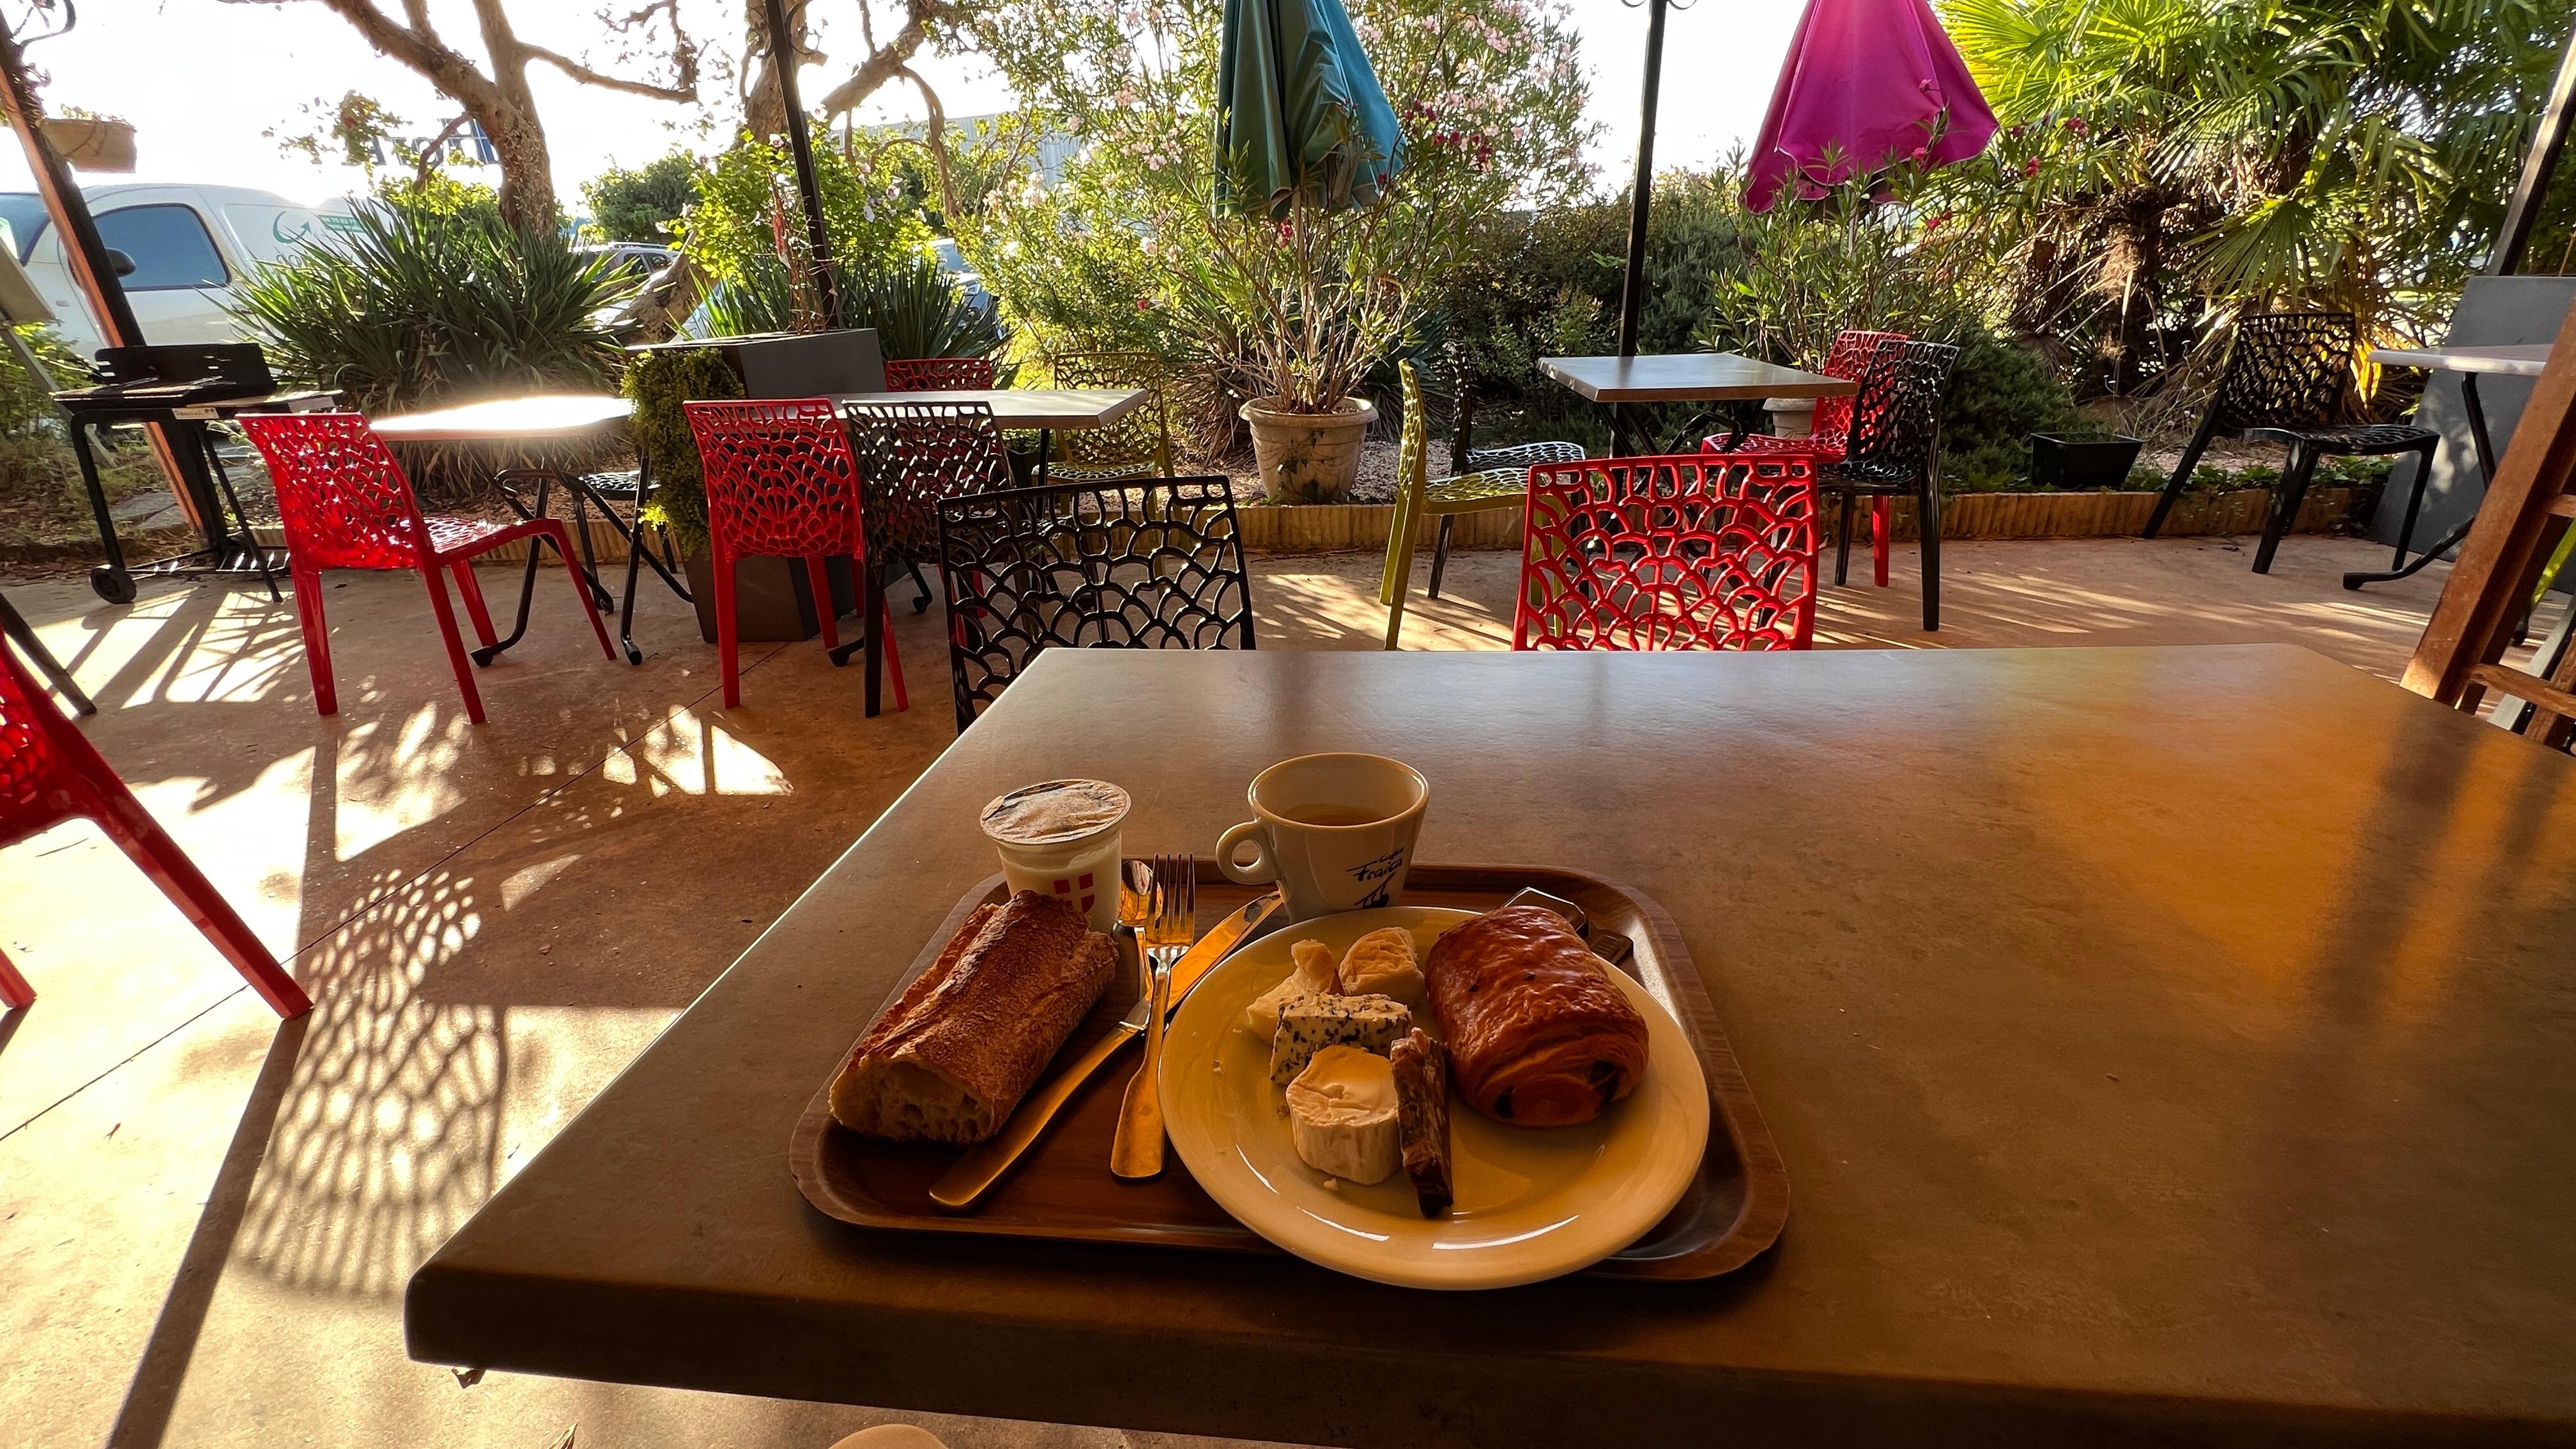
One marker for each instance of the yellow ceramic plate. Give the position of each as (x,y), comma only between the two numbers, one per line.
(1532,1202)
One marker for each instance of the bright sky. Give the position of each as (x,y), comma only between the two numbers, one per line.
(202,79)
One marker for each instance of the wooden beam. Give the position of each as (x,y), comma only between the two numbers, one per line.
(84,254)
(2481,599)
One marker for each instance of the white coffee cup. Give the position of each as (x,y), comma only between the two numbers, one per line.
(1334,832)
(1060,838)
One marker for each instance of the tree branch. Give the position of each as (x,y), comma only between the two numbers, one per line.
(685,90)
(886,64)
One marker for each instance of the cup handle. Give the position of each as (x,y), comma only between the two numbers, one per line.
(1260,872)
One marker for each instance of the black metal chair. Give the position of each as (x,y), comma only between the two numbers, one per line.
(2285,383)
(1155,564)
(1894,451)
(912,455)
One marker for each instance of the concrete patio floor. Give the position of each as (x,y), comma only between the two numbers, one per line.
(206,1220)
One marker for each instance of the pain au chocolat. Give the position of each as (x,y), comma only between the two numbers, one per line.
(1538,1035)
(950,1059)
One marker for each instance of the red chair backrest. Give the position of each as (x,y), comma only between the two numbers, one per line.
(938,374)
(341,495)
(781,479)
(1848,359)
(1695,551)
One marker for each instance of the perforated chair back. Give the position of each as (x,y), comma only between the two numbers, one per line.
(1695,551)
(34,792)
(342,498)
(2286,370)
(782,479)
(1896,415)
(912,455)
(938,374)
(1847,359)
(1138,445)
(1148,565)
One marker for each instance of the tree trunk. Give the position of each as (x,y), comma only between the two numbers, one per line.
(2131,272)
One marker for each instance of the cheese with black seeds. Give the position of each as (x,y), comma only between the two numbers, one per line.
(1308,1024)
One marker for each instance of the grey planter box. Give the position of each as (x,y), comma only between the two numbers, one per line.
(2077,460)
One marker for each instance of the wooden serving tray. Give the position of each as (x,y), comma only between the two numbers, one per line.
(1062,1187)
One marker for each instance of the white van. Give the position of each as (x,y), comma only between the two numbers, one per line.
(189,245)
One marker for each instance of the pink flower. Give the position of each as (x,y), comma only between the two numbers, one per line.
(1144,304)
(2030,167)
(2076,124)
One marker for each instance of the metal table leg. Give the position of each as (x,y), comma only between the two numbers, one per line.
(528,577)
(112,580)
(2515,714)
(2476,413)
(248,541)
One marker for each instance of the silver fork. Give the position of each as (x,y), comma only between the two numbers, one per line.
(1171,924)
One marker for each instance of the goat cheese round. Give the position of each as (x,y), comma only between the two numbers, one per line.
(1342,1115)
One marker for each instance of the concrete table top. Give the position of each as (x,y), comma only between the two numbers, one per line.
(1688,377)
(2528,359)
(2165,1045)
(1075,409)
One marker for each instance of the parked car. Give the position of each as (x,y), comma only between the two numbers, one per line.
(642,261)
(188,245)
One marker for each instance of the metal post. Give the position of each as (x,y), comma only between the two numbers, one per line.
(1632,295)
(84,254)
(2532,187)
(801,147)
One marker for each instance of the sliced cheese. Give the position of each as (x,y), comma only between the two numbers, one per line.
(1312,975)
(1342,1115)
(1382,963)
(1308,1024)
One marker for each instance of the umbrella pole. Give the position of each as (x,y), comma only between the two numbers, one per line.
(1632,294)
(801,147)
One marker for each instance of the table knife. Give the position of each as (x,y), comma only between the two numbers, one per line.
(972,1175)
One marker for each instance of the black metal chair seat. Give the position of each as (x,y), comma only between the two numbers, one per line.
(1866,477)
(2286,376)
(2360,440)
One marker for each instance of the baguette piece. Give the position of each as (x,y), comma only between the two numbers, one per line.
(1422,1112)
(956,1052)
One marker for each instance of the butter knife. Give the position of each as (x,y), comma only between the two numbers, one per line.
(974,1174)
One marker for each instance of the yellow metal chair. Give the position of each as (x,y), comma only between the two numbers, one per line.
(1418,496)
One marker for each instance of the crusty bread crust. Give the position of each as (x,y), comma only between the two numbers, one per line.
(955,1053)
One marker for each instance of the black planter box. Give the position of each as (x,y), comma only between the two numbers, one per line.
(2081,460)
(772,603)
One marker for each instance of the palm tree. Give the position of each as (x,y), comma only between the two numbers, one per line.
(2172,162)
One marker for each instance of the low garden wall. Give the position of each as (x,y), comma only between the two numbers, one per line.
(1338,527)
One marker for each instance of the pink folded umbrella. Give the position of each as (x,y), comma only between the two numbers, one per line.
(1867,83)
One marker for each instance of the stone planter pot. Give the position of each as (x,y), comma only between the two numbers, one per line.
(1791,417)
(1308,457)
(89,144)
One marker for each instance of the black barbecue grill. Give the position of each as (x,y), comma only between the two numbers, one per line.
(183,388)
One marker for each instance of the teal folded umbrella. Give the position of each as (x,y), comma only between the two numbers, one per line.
(1299,111)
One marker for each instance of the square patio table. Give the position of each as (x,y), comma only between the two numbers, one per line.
(1044,409)
(1684,377)
(2165,1045)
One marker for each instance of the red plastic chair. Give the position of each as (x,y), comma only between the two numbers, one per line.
(1830,435)
(346,505)
(1696,551)
(50,774)
(783,483)
(938,374)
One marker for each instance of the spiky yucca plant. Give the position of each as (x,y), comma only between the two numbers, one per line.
(419,309)
(915,309)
